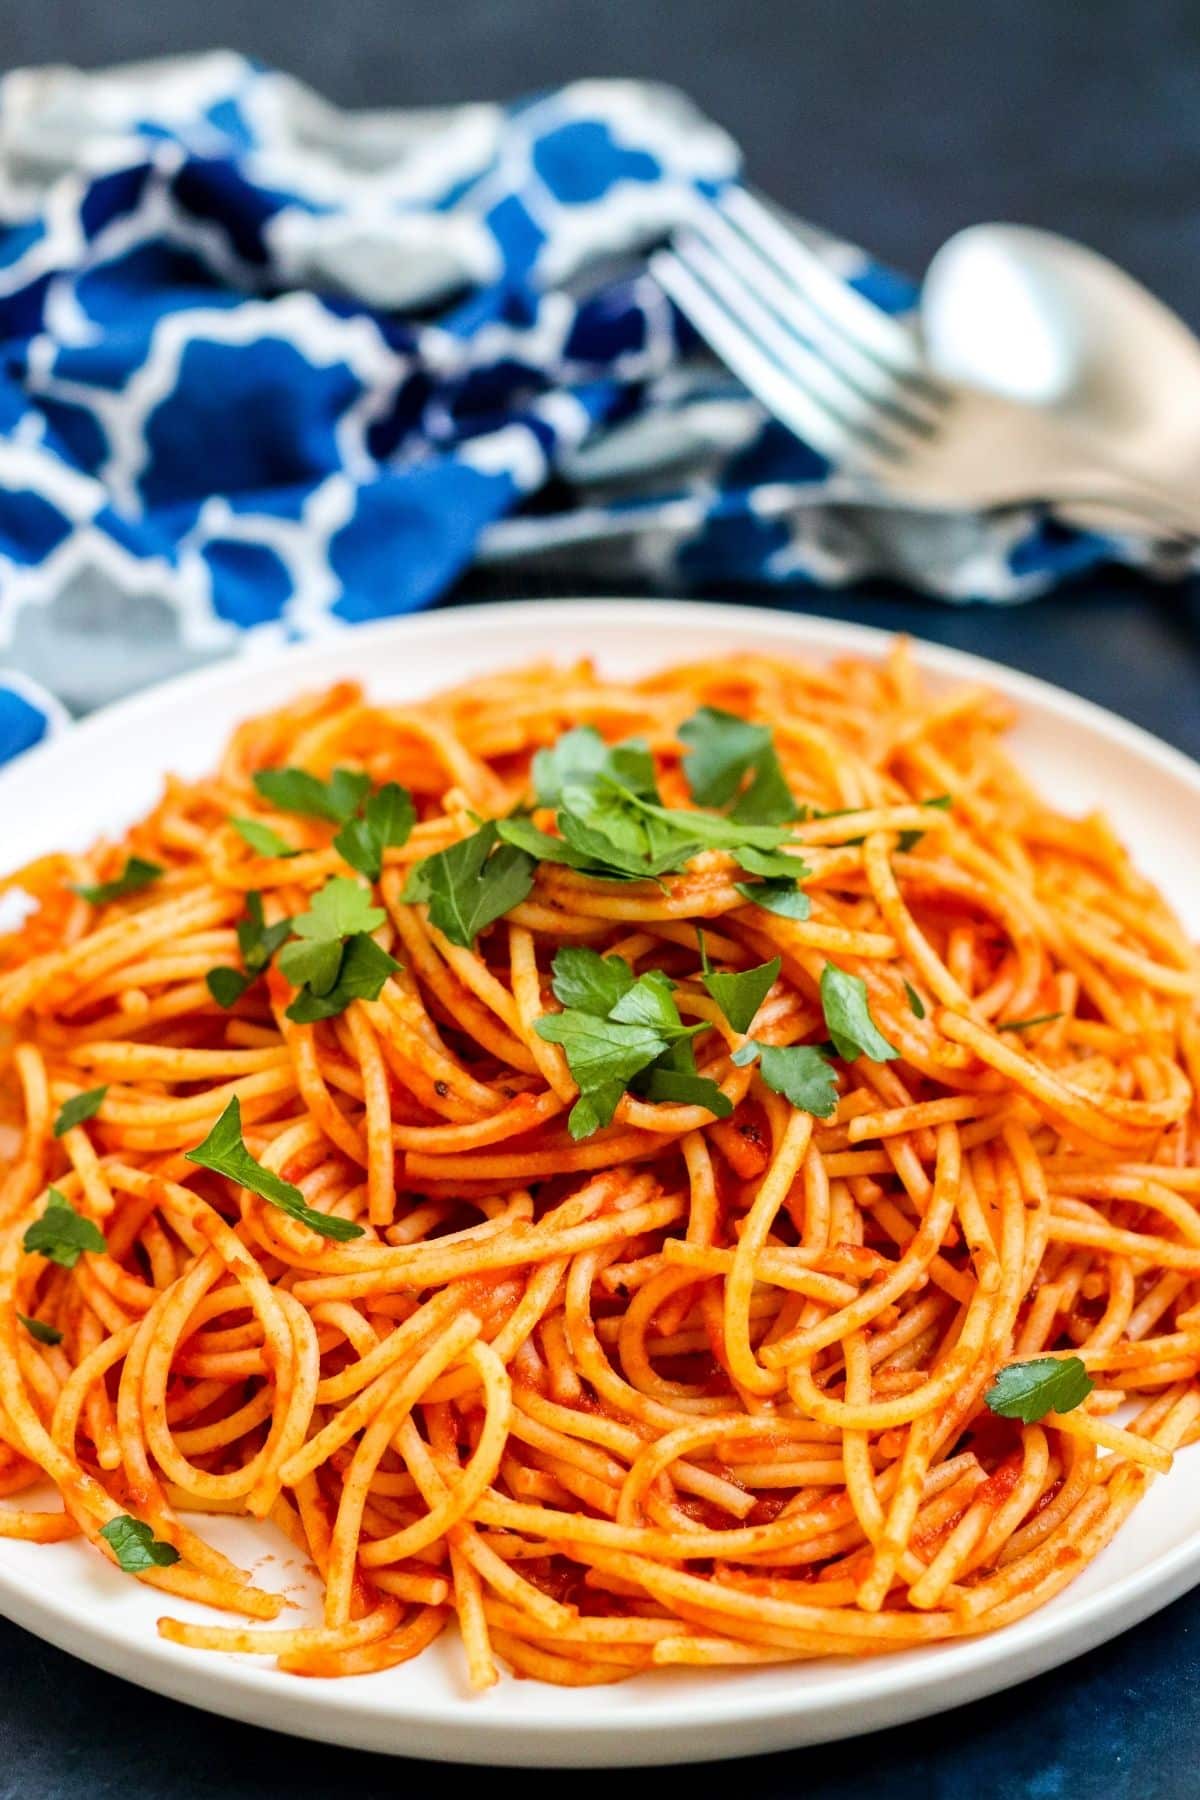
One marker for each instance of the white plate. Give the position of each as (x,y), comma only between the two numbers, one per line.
(106,772)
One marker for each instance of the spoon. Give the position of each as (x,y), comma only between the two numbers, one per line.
(1042,320)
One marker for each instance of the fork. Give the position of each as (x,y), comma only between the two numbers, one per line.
(852,382)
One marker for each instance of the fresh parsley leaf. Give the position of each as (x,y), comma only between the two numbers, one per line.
(724,750)
(650,1002)
(225,1154)
(472,884)
(802,1073)
(38,1328)
(915,1003)
(339,908)
(740,994)
(1028,1024)
(135,1546)
(227,985)
(312,963)
(78,1108)
(62,1234)
(622,1033)
(781,897)
(1029,1390)
(388,817)
(296,791)
(262,839)
(257,941)
(137,874)
(603,1057)
(588,982)
(908,840)
(672,1087)
(575,758)
(361,972)
(851,1027)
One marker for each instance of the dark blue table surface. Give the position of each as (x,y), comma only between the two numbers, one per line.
(895,125)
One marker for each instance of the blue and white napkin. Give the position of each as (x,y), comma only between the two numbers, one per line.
(270,369)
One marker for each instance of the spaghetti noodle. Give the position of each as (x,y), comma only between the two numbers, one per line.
(710,1380)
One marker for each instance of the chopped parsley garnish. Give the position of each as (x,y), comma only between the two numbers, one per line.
(78,1108)
(622,1032)
(258,943)
(137,874)
(262,838)
(38,1328)
(802,1073)
(915,1003)
(62,1234)
(1028,1024)
(739,994)
(722,751)
(227,985)
(1029,1390)
(386,821)
(333,959)
(470,885)
(612,824)
(909,839)
(852,1029)
(135,1546)
(296,791)
(225,1154)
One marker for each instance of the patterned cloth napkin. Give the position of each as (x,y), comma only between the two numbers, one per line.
(271,369)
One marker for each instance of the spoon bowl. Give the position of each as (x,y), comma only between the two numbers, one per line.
(1037,318)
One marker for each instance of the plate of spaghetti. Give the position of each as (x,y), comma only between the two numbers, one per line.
(602,1182)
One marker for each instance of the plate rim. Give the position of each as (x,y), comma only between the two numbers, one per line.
(731,1719)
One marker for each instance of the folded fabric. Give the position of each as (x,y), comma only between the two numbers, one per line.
(271,369)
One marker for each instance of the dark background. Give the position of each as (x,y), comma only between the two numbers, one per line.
(893,123)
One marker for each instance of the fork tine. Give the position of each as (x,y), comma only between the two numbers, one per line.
(784,397)
(750,330)
(910,404)
(871,329)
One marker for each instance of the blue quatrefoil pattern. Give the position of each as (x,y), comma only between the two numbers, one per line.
(270,369)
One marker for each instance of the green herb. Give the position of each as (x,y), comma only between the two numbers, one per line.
(296,791)
(848,1018)
(227,985)
(333,958)
(256,941)
(612,824)
(1029,1390)
(78,1108)
(800,1072)
(723,751)
(622,1033)
(1028,1024)
(586,982)
(225,1154)
(782,897)
(137,874)
(38,1328)
(261,838)
(135,1546)
(575,758)
(61,1234)
(387,819)
(603,1056)
(739,995)
(908,840)
(362,971)
(472,884)
(915,1003)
